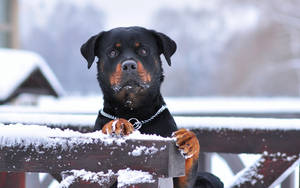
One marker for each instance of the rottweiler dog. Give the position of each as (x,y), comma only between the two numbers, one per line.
(130,75)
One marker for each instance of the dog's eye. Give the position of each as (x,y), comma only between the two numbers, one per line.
(142,52)
(113,53)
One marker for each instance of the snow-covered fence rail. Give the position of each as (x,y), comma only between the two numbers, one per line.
(147,159)
(191,106)
(276,139)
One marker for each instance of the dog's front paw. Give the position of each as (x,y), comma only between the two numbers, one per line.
(118,127)
(187,142)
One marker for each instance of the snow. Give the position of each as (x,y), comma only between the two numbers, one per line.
(61,120)
(16,65)
(37,136)
(129,177)
(176,105)
(246,174)
(125,177)
(65,105)
(198,105)
(34,135)
(41,136)
(139,150)
(84,110)
(70,177)
(212,123)
(218,123)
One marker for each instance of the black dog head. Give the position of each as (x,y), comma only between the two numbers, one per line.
(129,64)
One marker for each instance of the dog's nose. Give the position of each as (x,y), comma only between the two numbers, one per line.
(129,66)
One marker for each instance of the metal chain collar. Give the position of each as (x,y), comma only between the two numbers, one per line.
(137,124)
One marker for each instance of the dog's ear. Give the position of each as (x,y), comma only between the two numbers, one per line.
(165,44)
(88,49)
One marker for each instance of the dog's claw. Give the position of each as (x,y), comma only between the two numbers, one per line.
(118,127)
(187,143)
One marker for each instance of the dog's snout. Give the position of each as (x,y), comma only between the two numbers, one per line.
(129,66)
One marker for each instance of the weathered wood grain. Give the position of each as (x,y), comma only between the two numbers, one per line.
(164,161)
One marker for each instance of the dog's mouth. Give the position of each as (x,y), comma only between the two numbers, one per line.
(130,86)
(130,93)
(130,77)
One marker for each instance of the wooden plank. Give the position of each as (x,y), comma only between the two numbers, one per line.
(248,140)
(12,179)
(274,169)
(143,185)
(112,181)
(96,156)
(256,141)
(269,171)
(159,183)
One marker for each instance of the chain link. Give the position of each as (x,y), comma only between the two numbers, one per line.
(137,124)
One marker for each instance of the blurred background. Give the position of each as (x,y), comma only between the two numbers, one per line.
(241,54)
(232,48)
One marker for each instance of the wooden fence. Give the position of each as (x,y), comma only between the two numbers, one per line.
(278,146)
(279,149)
(157,158)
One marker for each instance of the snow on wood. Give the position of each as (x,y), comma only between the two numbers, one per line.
(59,120)
(177,106)
(72,176)
(218,123)
(17,65)
(248,140)
(212,123)
(143,150)
(248,175)
(124,177)
(34,148)
(128,177)
(35,135)
(41,136)
(269,171)
(183,105)
(196,105)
